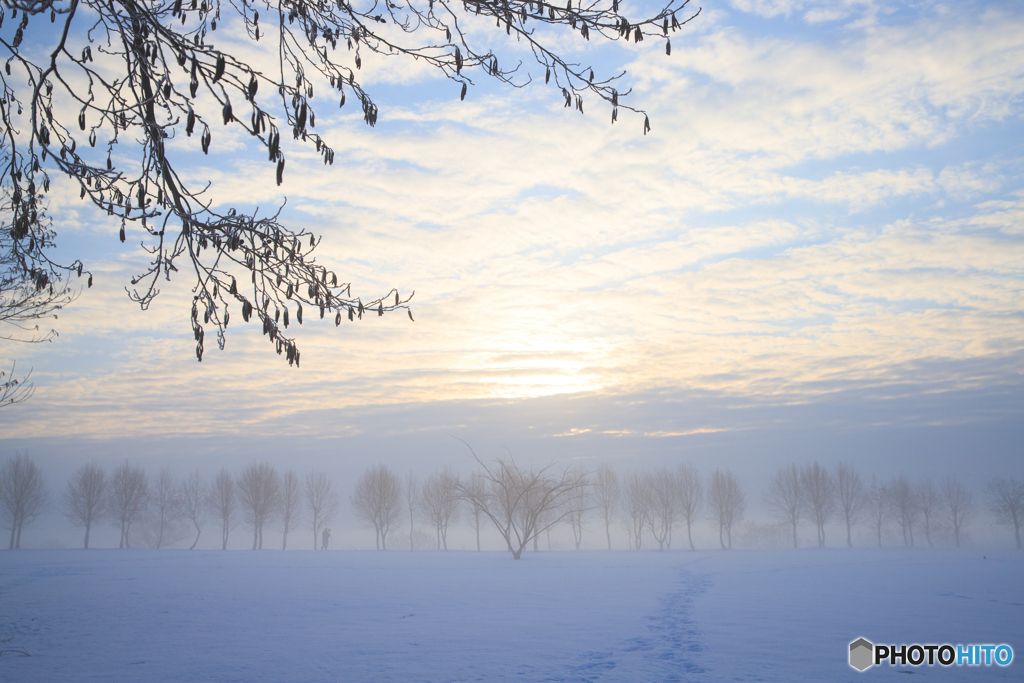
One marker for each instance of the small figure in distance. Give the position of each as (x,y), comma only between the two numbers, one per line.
(326,539)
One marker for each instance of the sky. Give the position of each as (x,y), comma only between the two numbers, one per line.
(817,253)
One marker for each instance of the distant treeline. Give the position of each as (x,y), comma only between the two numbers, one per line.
(522,504)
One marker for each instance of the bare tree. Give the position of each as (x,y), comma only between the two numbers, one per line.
(291,501)
(222,502)
(851,496)
(165,511)
(84,500)
(1006,501)
(259,492)
(957,506)
(125,78)
(322,502)
(23,494)
(192,503)
(377,501)
(879,506)
(928,501)
(727,503)
(522,502)
(578,504)
(412,504)
(785,497)
(637,502)
(440,502)
(664,495)
(691,496)
(128,499)
(477,486)
(905,507)
(606,497)
(820,492)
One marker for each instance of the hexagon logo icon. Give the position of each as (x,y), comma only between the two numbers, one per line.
(861,654)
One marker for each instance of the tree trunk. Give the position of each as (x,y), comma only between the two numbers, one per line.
(87,525)
(198,531)
(14,526)
(849,543)
(160,533)
(478,535)
(721,539)
(689,536)
(255,535)
(794,536)
(608,533)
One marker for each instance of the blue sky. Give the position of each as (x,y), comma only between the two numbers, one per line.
(817,252)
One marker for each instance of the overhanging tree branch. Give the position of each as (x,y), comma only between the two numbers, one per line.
(124,78)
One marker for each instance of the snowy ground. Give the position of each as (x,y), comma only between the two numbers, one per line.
(111,615)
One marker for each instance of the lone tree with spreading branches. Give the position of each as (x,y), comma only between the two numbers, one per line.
(101,93)
(522,502)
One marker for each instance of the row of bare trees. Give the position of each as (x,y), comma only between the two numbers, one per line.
(522,503)
(259,497)
(815,493)
(656,501)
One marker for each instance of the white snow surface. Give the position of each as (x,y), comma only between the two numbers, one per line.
(169,615)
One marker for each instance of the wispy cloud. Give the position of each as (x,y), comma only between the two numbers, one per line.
(802,215)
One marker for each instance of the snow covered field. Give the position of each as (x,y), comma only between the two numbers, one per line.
(108,615)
